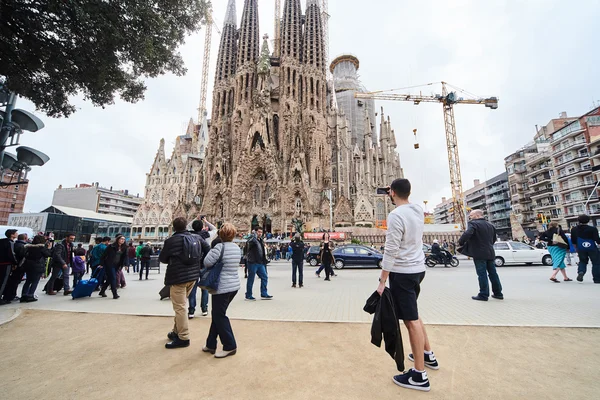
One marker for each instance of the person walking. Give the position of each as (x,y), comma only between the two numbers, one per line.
(478,243)
(326,257)
(182,254)
(36,254)
(78,267)
(138,256)
(98,252)
(585,239)
(146,254)
(229,284)
(62,259)
(8,261)
(297,246)
(131,258)
(113,259)
(198,229)
(257,265)
(404,264)
(88,257)
(558,244)
(16,275)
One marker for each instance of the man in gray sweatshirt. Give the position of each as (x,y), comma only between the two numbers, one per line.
(404,265)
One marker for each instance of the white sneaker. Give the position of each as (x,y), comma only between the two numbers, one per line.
(204,313)
(190,316)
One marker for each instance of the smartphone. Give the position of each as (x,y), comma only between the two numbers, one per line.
(385,190)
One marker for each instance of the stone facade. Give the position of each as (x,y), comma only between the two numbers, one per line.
(275,145)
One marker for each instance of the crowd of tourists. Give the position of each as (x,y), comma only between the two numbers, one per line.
(208,259)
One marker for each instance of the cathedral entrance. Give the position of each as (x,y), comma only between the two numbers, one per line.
(267,224)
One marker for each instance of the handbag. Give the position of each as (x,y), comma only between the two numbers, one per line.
(210,277)
(557,240)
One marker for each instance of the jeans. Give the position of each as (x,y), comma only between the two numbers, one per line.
(297,265)
(12,285)
(30,285)
(133,263)
(77,278)
(65,277)
(220,325)
(111,279)
(203,300)
(145,264)
(584,258)
(485,268)
(261,271)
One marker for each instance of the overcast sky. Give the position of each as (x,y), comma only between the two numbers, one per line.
(540,57)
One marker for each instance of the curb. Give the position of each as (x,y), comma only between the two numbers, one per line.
(16,313)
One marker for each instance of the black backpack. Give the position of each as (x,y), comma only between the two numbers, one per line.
(192,250)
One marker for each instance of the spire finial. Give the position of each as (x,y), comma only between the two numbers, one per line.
(230,16)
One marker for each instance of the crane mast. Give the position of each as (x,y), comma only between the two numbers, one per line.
(448,100)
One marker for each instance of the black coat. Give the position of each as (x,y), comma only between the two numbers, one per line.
(297,251)
(111,253)
(253,253)
(177,270)
(7,252)
(60,254)
(35,258)
(385,323)
(478,240)
(549,234)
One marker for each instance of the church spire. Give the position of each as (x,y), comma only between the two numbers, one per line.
(291,30)
(313,44)
(228,46)
(249,38)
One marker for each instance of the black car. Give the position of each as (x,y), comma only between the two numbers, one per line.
(354,254)
(312,255)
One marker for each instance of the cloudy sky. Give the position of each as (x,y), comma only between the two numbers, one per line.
(540,57)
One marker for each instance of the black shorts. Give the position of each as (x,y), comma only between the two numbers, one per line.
(405,291)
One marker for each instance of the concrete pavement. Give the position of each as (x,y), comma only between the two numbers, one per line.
(531,299)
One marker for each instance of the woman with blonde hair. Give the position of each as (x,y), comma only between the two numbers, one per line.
(229,284)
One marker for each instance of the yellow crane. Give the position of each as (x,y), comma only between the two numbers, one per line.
(448,100)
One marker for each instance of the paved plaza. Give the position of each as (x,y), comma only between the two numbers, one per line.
(531,299)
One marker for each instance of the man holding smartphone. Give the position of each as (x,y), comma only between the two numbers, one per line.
(404,265)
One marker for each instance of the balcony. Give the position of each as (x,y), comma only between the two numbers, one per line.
(538,158)
(538,170)
(564,147)
(569,188)
(539,181)
(596,154)
(502,207)
(567,132)
(499,216)
(497,189)
(569,160)
(574,172)
(546,205)
(493,199)
(578,199)
(541,192)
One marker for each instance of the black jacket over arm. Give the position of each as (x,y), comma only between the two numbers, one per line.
(109,255)
(60,255)
(172,255)
(385,323)
(478,240)
(253,254)
(7,252)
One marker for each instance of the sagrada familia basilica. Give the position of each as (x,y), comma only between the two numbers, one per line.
(282,142)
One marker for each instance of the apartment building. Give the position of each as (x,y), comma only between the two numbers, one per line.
(498,206)
(12,198)
(516,168)
(575,151)
(98,199)
(443,213)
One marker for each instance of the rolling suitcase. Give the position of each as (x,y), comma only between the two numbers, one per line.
(85,288)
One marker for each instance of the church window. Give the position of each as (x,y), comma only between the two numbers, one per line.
(380,210)
(261,176)
(276,129)
(334,175)
(297,141)
(258,140)
(267,195)
(217,177)
(298,205)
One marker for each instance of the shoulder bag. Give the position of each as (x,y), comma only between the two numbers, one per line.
(557,240)
(210,277)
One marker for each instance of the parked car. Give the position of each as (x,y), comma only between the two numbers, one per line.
(354,254)
(520,253)
(312,255)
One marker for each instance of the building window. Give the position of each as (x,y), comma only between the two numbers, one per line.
(12,206)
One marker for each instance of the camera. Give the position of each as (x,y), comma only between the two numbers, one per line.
(385,190)
(202,217)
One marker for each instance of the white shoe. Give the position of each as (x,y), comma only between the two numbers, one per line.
(204,313)
(190,316)
(223,353)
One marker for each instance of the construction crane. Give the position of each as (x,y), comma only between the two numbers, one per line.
(448,100)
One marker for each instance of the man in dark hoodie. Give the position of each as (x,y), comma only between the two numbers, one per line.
(8,261)
(585,238)
(62,257)
(478,243)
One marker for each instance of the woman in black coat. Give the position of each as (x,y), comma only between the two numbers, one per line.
(114,258)
(35,256)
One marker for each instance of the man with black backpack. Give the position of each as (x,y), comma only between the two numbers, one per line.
(182,253)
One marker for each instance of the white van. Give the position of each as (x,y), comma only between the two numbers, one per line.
(20,229)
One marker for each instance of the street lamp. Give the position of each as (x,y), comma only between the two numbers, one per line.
(13,122)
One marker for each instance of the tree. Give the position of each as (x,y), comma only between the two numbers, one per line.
(53,49)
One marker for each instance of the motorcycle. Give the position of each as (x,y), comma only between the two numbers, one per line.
(433,260)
